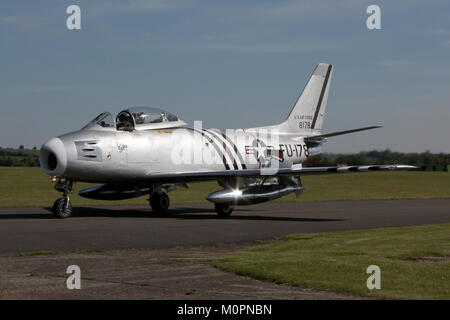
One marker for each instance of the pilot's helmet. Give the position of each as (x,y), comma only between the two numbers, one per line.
(123,118)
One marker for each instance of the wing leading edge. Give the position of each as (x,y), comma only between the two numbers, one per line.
(213,175)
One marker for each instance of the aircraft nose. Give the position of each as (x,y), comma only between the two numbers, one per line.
(53,157)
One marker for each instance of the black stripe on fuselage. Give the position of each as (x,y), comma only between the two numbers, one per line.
(227,167)
(235,150)
(219,138)
(321,96)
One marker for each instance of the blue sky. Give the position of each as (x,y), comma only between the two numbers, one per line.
(229,63)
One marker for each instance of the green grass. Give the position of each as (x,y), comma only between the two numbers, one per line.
(52,253)
(338,261)
(37,253)
(25,186)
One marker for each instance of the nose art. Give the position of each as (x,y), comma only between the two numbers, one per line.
(53,157)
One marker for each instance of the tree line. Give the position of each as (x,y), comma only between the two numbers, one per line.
(425,160)
(21,157)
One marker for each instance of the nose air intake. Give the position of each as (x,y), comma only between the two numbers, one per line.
(53,157)
(52,162)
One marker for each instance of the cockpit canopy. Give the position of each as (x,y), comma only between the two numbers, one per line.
(143,115)
(137,118)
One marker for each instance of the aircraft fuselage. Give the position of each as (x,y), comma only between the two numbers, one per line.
(111,156)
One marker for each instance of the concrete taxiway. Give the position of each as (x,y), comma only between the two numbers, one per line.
(24,230)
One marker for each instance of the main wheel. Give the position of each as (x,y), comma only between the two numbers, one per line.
(223,210)
(62,208)
(159,202)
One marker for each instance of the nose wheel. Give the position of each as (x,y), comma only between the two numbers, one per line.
(62,208)
(159,202)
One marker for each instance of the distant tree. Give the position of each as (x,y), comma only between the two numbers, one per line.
(21,147)
(351,159)
(314,161)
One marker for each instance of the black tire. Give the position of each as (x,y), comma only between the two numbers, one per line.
(62,208)
(223,210)
(159,202)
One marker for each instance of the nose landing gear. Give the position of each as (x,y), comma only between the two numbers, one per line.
(62,208)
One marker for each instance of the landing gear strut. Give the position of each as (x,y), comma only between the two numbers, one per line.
(223,210)
(62,208)
(159,202)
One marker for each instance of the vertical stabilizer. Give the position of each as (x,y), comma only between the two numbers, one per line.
(308,112)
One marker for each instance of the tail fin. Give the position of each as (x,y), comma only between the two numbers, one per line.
(308,112)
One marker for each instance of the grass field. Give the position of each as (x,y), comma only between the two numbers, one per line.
(338,261)
(25,186)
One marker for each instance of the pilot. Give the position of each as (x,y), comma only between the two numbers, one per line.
(164,117)
(124,122)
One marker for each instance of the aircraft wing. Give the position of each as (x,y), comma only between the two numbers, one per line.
(267,172)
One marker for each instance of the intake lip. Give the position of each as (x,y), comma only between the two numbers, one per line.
(53,157)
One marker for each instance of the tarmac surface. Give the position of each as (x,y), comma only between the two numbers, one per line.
(24,230)
(168,257)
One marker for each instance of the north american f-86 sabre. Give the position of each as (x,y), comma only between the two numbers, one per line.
(149,151)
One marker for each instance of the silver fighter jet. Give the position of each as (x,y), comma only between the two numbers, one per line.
(148,151)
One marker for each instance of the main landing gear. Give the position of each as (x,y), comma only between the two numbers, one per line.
(62,208)
(223,210)
(159,202)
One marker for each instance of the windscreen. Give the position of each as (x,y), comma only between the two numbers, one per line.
(104,120)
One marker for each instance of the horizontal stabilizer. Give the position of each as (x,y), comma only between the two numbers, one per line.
(313,141)
(339,133)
